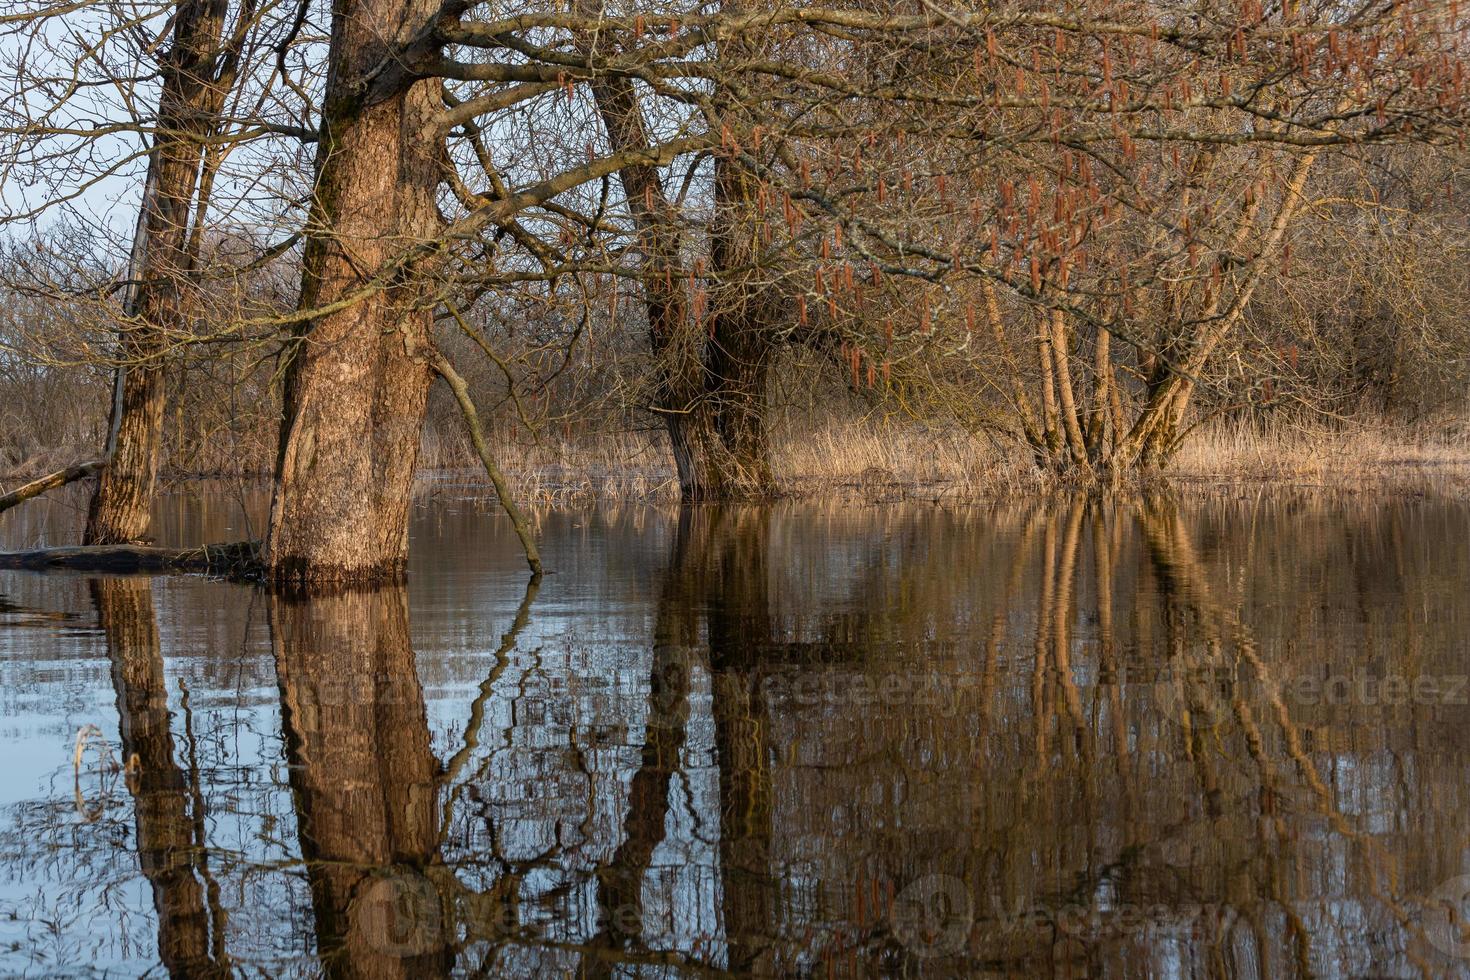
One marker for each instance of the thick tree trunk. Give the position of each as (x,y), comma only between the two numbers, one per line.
(702,462)
(747,310)
(188,106)
(357,389)
(121,505)
(747,304)
(711,367)
(740,403)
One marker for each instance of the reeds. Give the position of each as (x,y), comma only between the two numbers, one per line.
(875,461)
(868,461)
(1380,456)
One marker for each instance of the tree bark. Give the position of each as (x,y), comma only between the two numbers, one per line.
(77,471)
(1051,418)
(711,370)
(747,308)
(1060,347)
(188,106)
(356,391)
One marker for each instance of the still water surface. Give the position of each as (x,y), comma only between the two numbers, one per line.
(1143,739)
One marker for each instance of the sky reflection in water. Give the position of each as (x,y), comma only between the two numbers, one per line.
(1151,738)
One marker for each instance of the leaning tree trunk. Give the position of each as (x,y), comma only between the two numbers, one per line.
(188,106)
(356,391)
(1156,434)
(77,471)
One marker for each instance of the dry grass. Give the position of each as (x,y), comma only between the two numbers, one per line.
(877,462)
(841,460)
(612,466)
(897,461)
(1377,456)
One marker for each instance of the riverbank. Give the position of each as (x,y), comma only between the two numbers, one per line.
(881,462)
(867,463)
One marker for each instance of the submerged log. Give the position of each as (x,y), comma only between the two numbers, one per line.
(239,560)
(51,481)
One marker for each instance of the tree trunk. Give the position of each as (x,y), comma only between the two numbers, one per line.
(1152,438)
(77,471)
(678,344)
(701,462)
(741,372)
(1066,398)
(121,504)
(712,367)
(747,307)
(238,560)
(188,105)
(356,391)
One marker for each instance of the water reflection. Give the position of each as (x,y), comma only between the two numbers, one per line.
(1076,737)
(167,810)
(363,780)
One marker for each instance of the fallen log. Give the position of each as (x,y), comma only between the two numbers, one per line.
(237,560)
(51,481)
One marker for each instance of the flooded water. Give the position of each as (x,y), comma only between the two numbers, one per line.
(1142,739)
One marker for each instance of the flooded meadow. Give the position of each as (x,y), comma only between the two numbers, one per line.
(1143,737)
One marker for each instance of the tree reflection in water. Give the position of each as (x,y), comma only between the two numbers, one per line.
(167,809)
(1068,738)
(364,781)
